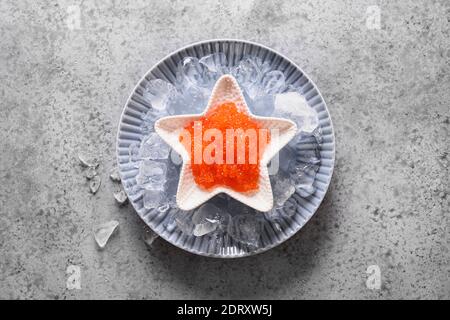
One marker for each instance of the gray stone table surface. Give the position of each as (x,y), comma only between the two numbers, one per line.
(63,84)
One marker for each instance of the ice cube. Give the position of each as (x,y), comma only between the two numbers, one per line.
(273,82)
(121,197)
(152,199)
(90,173)
(216,62)
(303,176)
(184,222)
(294,106)
(283,189)
(158,92)
(196,100)
(154,148)
(192,101)
(247,72)
(305,189)
(88,160)
(207,219)
(152,175)
(309,156)
(149,237)
(94,184)
(273,215)
(133,190)
(317,133)
(114,175)
(173,201)
(133,152)
(149,118)
(170,223)
(191,72)
(103,232)
(262,105)
(245,229)
(289,208)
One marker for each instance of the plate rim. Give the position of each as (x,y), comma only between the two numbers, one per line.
(193,44)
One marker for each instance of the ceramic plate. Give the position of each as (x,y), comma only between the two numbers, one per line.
(130,132)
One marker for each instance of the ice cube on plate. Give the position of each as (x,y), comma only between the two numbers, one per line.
(158,92)
(245,229)
(294,106)
(152,175)
(152,199)
(154,148)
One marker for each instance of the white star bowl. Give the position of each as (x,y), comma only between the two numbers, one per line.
(189,194)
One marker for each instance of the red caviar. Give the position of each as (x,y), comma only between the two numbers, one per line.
(213,163)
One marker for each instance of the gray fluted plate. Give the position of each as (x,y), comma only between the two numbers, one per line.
(129,132)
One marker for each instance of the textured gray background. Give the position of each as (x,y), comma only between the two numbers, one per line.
(62,91)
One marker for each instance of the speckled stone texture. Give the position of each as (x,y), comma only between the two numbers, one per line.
(62,89)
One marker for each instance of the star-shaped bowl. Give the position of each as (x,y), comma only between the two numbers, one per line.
(189,194)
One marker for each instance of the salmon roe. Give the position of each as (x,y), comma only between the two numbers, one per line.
(229,170)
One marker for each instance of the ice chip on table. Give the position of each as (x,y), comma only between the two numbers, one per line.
(216,62)
(154,148)
(294,106)
(114,175)
(158,92)
(184,222)
(149,237)
(90,173)
(121,197)
(103,232)
(88,160)
(94,184)
(273,82)
(283,188)
(245,229)
(152,199)
(152,175)
(208,218)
